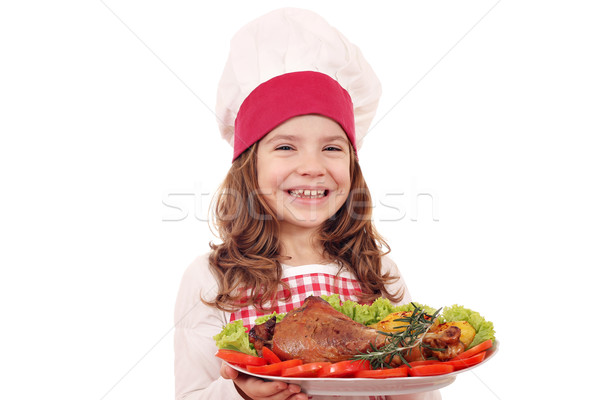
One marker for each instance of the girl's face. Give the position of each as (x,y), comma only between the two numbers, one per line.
(303,169)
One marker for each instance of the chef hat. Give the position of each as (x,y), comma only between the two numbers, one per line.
(291,62)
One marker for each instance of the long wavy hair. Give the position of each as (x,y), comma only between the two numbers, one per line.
(249,256)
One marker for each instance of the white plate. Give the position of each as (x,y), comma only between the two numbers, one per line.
(372,387)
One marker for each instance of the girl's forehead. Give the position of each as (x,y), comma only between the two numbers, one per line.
(307,127)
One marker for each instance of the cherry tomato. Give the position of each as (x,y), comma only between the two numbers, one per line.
(483,346)
(343,368)
(273,369)
(268,355)
(305,370)
(399,372)
(240,358)
(432,369)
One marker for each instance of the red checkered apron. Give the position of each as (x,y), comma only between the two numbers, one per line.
(300,287)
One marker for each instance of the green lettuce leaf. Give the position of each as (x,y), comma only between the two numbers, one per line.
(362,313)
(411,307)
(333,300)
(265,318)
(370,314)
(381,308)
(484,329)
(234,337)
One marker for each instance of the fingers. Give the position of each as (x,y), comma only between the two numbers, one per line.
(227,372)
(295,393)
(293,388)
(259,389)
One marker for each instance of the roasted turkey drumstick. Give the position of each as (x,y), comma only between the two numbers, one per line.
(317,332)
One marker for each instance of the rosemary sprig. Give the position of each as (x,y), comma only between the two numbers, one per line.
(397,343)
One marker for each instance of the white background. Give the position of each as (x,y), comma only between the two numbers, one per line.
(106,115)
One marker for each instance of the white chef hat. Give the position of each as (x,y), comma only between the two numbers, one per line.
(290,40)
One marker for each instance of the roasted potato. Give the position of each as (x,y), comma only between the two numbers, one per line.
(389,323)
(467,332)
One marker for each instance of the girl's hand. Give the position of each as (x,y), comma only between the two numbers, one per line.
(256,389)
(417,396)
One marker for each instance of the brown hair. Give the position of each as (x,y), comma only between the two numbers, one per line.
(249,255)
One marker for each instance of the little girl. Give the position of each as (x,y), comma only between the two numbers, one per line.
(294,212)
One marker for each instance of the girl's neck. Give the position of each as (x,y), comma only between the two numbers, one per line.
(299,248)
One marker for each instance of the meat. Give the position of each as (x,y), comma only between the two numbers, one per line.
(447,339)
(261,335)
(442,344)
(317,332)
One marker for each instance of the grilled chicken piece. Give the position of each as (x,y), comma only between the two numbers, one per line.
(261,335)
(317,332)
(467,332)
(447,339)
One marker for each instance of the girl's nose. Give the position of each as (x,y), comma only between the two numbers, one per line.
(310,165)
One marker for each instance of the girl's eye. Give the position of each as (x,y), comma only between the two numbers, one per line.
(284,147)
(332,148)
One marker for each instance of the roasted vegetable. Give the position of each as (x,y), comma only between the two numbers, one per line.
(467,332)
(394,322)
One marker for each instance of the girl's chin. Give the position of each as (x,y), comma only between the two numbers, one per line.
(305,217)
(298,224)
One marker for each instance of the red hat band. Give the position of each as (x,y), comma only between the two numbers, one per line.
(289,95)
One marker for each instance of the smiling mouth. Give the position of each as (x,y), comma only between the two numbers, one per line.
(308,194)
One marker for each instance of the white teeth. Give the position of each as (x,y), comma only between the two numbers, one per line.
(311,194)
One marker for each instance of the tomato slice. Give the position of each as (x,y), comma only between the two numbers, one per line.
(399,372)
(424,362)
(273,369)
(268,355)
(343,368)
(466,362)
(305,370)
(483,346)
(237,357)
(432,369)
